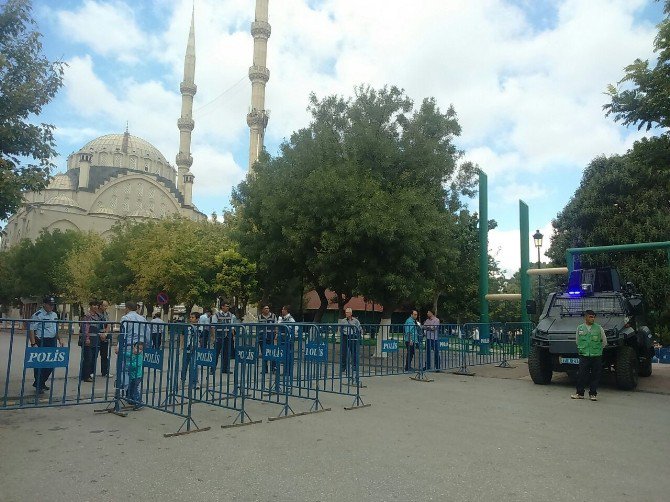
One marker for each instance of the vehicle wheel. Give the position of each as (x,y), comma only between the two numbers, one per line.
(645,367)
(539,365)
(626,368)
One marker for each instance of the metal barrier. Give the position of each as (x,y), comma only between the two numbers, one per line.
(146,378)
(341,370)
(516,341)
(172,367)
(56,371)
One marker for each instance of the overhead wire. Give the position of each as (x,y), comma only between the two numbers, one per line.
(209,103)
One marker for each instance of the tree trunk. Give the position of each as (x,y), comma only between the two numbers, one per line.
(436,297)
(342,300)
(321,291)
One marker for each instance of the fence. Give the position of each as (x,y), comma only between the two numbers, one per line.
(50,364)
(175,367)
(386,349)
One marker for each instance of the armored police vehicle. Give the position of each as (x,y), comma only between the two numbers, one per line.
(619,310)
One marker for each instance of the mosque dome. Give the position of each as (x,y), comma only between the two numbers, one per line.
(124,151)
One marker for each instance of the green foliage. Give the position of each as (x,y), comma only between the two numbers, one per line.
(192,261)
(80,282)
(173,255)
(235,278)
(642,97)
(361,201)
(623,199)
(28,81)
(34,269)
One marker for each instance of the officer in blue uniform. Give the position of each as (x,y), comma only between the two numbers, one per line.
(43,332)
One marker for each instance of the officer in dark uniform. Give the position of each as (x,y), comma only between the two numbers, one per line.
(266,336)
(224,341)
(105,333)
(89,340)
(43,332)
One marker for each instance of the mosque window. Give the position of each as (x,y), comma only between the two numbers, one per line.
(117,160)
(133,162)
(146,165)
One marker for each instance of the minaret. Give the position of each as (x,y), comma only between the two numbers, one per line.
(257,119)
(185,122)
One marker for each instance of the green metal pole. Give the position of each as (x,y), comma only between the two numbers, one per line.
(571,252)
(484,337)
(524,243)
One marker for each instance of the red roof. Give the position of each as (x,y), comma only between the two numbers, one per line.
(356,303)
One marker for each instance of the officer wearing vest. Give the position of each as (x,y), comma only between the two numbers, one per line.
(89,340)
(43,332)
(591,340)
(266,336)
(224,336)
(286,339)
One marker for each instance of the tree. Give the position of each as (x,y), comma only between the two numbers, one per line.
(235,279)
(458,285)
(82,263)
(174,255)
(642,97)
(28,81)
(623,199)
(35,269)
(359,201)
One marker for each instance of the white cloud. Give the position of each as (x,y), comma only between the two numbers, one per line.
(512,192)
(108,28)
(529,100)
(504,247)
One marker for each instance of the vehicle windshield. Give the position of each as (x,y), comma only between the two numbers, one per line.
(605,305)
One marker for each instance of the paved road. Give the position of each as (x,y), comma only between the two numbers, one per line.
(457,438)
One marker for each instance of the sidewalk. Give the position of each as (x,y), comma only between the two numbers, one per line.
(657,383)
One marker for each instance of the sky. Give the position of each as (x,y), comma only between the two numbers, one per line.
(527,79)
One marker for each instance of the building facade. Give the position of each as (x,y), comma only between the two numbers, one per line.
(115,177)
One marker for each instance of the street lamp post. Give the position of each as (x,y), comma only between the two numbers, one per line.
(537,239)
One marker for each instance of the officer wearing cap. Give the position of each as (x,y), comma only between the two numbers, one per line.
(43,332)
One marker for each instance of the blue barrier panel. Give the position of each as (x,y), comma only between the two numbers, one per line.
(270,380)
(481,344)
(304,355)
(153,359)
(40,361)
(247,355)
(151,370)
(316,352)
(390,346)
(205,357)
(47,357)
(338,374)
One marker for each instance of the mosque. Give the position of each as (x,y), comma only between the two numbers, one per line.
(123,177)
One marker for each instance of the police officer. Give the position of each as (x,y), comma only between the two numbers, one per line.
(89,340)
(591,340)
(286,339)
(43,332)
(104,338)
(225,336)
(267,336)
